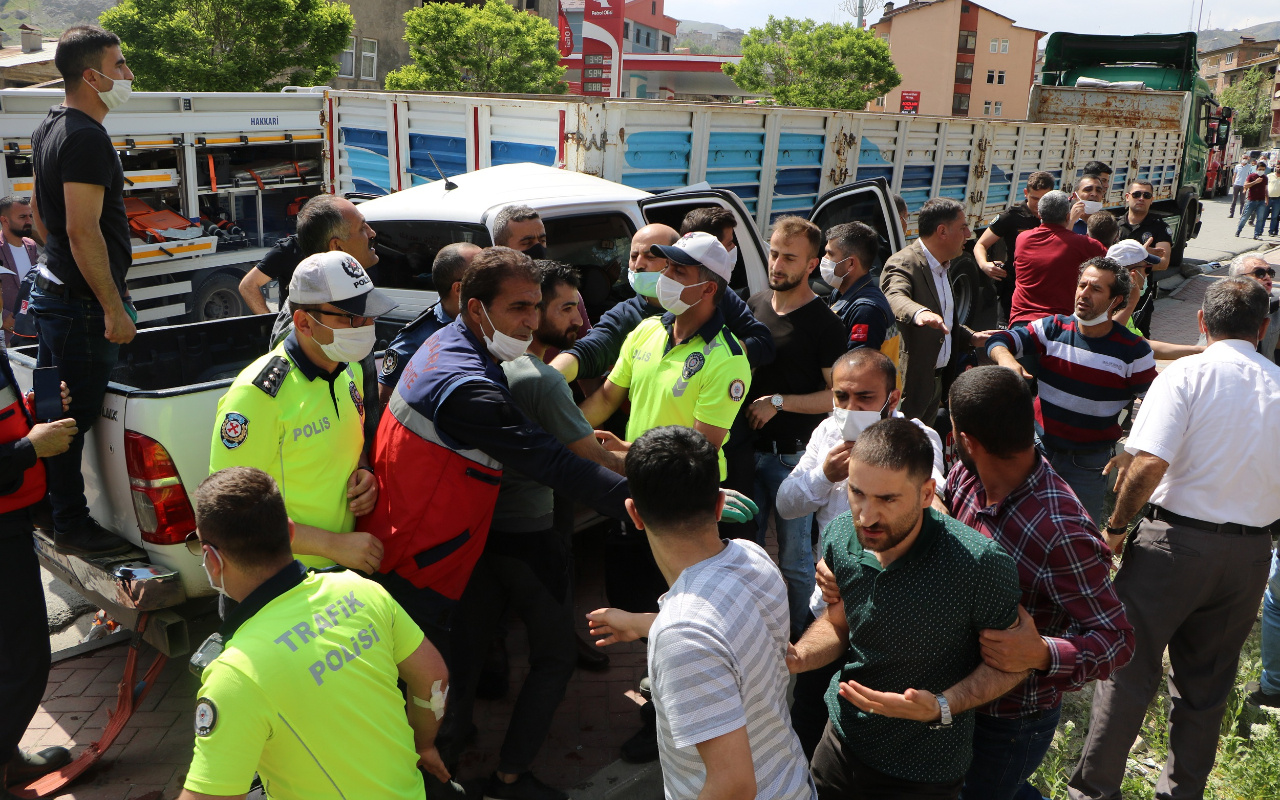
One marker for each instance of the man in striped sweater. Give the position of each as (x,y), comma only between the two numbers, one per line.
(1090,370)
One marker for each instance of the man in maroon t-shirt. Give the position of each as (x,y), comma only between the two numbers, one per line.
(1048,263)
(1255,189)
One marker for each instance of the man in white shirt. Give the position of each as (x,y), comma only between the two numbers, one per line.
(1195,568)
(18,255)
(863,384)
(718,643)
(1238,174)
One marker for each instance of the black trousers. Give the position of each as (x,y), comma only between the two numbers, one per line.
(24,631)
(839,775)
(809,713)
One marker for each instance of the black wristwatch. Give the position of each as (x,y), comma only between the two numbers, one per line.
(1121,531)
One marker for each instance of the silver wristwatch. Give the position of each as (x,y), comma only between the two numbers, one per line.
(945,708)
(776,400)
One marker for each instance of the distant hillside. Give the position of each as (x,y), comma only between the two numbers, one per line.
(689,26)
(50,16)
(1213,38)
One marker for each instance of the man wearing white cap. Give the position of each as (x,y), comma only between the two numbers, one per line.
(297,413)
(1090,370)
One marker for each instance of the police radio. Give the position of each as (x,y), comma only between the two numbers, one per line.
(206,654)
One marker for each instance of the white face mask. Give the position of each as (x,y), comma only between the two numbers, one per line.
(219,589)
(1092,206)
(1098,320)
(349,344)
(501,346)
(853,423)
(669,291)
(644,284)
(827,269)
(117,95)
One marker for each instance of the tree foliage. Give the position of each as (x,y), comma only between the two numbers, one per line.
(802,63)
(489,48)
(1251,98)
(230,45)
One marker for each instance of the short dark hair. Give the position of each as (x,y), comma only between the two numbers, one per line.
(1092,176)
(711,219)
(508,215)
(936,212)
(1097,168)
(319,221)
(1141,182)
(554,274)
(1040,180)
(448,266)
(895,444)
(866,358)
(240,511)
(490,269)
(79,48)
(798,227)
(674,476)
(1234,308)
(994,405)
(1104,227)
(722,285)
(11,200)
(900,203)
(857,239)
(1121,283)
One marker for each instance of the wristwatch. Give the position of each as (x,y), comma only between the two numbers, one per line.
(776,400)
(945,708)
(1121,531)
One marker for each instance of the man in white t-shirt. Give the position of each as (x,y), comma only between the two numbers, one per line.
(718,643)
(18,255)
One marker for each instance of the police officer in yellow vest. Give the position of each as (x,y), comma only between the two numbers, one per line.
(297,413)
(304,691)
(24,632)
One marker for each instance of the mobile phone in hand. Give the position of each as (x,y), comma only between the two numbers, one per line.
(48,389)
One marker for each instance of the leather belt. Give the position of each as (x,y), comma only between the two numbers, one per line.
(1227,528)
(61,290)
(781,448)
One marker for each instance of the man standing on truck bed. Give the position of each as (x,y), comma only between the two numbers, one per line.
(297,413)
(81,305)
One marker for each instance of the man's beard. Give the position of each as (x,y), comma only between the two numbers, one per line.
(966,458)
(785,285)
(894,532)
(560,340)
(25,230)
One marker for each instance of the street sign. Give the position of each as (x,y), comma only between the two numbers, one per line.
(910,103)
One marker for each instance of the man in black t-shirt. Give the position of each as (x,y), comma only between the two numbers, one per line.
(80,302)
(277,265)
(1152,231)
(793,394)
(1021,217)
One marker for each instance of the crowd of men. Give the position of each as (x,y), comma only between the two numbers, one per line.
(369,535)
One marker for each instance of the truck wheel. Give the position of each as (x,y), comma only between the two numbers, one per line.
(966,290)
(217,298)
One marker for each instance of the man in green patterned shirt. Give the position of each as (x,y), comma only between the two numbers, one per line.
(916,587)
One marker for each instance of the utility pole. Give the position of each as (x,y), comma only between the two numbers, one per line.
(862,16)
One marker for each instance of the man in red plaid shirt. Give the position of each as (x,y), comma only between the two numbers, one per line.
(1072,627)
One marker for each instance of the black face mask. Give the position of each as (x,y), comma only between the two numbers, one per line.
(538,251)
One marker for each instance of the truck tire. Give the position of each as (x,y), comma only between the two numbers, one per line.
(217,298)
(969,289)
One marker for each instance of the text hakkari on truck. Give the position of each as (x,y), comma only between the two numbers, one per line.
(216,178)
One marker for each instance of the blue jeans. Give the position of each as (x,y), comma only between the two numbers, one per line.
(795,543)
(1258,210)
(1273,210)
(1271,630)
(1005,753)
(71,337)
(1082,470)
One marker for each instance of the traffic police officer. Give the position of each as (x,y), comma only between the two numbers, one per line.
(297,413)
(304,691)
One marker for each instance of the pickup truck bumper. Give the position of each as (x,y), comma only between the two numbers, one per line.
(125,586)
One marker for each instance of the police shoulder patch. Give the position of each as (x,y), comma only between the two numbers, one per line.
(272,376)
(234,430)
(737,390)
(206,716)
(692,364)
(389,362)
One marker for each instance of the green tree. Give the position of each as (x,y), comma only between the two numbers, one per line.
(802,63)
(1251,99)
(230,45)
(489,48)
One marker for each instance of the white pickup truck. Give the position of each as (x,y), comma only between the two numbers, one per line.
(150,447)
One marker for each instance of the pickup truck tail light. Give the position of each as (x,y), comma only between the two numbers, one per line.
(160,501)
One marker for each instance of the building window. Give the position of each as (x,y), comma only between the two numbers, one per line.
(626,30)
(964,73)
(1004,45)
(648,38)
(531,5)
(1231,57)
(347,59)
(965,8)
(986,108)
(960,104)
(638,37)
(995,45)
(968,41)
(369,59)
(880,100)
(1000,78)
(666,44)
(991,76)
(653,8)
(999,108)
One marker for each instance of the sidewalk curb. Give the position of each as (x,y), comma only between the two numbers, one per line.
(622,781)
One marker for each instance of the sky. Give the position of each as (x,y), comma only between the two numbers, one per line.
(1078,16)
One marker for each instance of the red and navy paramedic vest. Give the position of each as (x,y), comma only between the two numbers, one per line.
(15,423)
